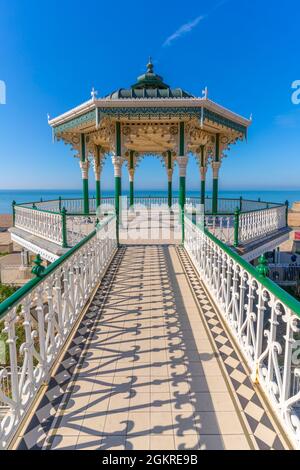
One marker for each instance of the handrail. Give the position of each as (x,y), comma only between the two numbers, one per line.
(284,296)
(39,318)
(263,318)
(10,302)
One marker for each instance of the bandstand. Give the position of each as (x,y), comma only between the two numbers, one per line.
(150,118)
(176,345)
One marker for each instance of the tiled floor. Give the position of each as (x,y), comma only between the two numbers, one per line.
(143,371)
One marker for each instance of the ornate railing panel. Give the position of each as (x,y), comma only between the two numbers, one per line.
(78,227)
(222,226)
(39,318)
(257,224)
(264,319)
(47,225)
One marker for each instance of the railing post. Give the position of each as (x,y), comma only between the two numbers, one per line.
(59,204)
(262,266)
(236,226)
(64,227)
(287,213)
(14,211)
(38,269)
(241,203)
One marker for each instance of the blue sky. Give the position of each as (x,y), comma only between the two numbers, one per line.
(245,51)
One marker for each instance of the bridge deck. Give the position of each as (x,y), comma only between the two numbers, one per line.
(151,367)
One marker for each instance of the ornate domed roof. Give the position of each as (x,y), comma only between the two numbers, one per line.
(149,85)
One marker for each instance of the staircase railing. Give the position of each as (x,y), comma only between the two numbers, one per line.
(263,318)
(37,320)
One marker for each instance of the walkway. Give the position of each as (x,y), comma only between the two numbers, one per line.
(151,367)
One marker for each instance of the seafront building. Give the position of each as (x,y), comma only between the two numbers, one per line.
(154,324)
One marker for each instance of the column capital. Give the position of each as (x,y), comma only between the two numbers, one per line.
(182,163)
(170,173)
(215,168)
(131,174)
(84,165)
(117,162)
(97,168)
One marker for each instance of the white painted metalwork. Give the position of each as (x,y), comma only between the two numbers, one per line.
(43,318)
(79,227)
(257,224)
(263,318)
(44,253)
(222,226)
(46,225)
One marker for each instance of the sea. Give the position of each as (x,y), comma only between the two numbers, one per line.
(24,195)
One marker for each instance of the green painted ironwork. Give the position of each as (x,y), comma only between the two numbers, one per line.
(85,181)
(38,270)
(262,266)
(217,149)
(11,301)
(85,118)
(98,193)
(181,139)
(287,213)
(169,193)
(86,208)
(131,193)
(202,198)
(157,111)
(117,202)
(14,211)
(182,202)
(82,147)
(215,196)
(236,227)
(282,295)
(64,227)
(118,138)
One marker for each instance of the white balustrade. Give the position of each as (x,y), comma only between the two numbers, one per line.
(264,320)
(46,225)
(257,224)
(222,226)
(39,322)
(78,227)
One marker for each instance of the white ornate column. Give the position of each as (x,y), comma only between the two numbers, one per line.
(215,168)
(85,165)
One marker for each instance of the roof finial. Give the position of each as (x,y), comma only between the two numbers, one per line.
(205,93)
(150,65)
(94,93)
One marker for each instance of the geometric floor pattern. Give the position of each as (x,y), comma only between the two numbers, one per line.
(143,371)
(264,432)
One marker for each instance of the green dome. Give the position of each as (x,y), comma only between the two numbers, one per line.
(149,85)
